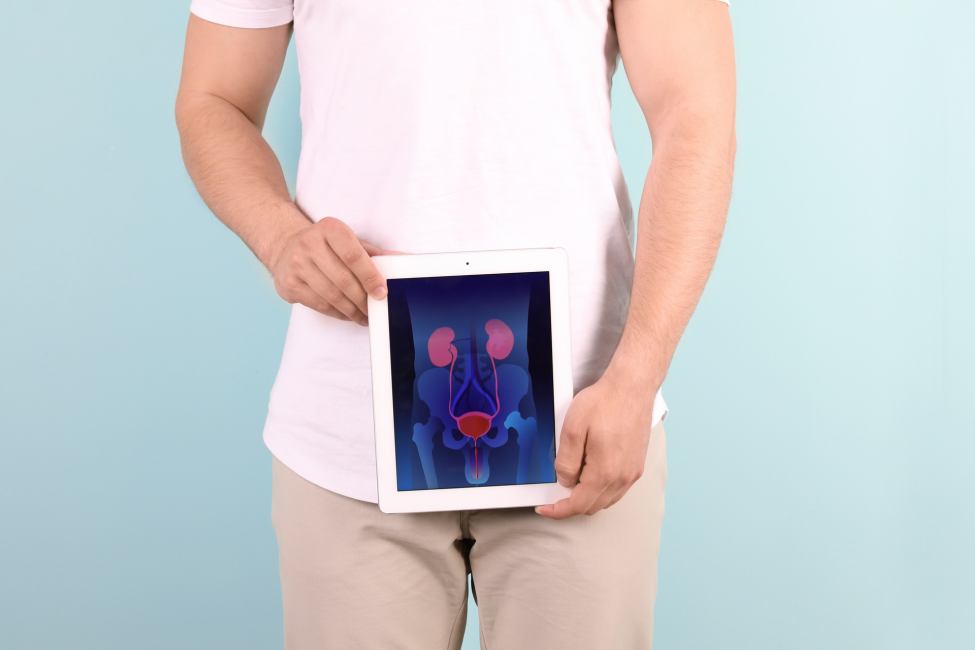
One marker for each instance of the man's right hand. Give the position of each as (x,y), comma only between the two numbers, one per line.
(228,78)
(325,267)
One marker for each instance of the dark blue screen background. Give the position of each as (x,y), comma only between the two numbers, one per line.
(524,429)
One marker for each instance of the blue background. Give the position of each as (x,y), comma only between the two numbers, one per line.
(821,494)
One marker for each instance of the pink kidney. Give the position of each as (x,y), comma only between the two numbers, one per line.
(500,338)
(441,350)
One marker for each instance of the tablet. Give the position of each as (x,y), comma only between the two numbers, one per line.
(471,379)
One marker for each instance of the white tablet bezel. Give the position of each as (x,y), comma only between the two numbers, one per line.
(552,260)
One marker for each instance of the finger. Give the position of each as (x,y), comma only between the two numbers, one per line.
(342,277)
(305,295)
(630,482)
(616,499)
(372,249)
(579,501)
(606,498)
(598,484)
(572,446)
(603,481)
(343,241)
(332,294)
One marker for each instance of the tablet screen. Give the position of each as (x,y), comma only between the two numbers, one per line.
(471,362)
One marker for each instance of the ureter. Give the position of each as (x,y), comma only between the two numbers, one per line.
(450,384)
(497,395)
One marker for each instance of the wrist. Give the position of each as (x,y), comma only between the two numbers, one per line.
(637,369)
(286,223)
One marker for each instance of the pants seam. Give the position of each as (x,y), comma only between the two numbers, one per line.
(453,629)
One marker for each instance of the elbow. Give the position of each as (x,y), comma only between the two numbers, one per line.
(182,111)
(178,117)
(179,113)
(733,148)
(186,113)
(699,132)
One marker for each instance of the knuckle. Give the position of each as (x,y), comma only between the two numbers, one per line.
(334,228)
(372,278)
(353,254)
(572,435)
(291,283)
(333,294)
(604,475)
(283,291)
(623,479)
(563,466)
(346,278)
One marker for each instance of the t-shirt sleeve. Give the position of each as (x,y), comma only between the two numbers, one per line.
(245,13)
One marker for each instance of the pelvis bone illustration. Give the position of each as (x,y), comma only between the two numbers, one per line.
(473,399)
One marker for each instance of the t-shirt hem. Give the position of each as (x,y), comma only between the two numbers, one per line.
(352,484)
(347,484)
(217,12)
(660,410)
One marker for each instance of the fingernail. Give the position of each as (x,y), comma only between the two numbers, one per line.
(564,482)
(364,322)
(538,509)
(379,293)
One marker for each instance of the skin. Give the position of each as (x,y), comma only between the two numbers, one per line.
(680,62)
(679,59)
(228,77)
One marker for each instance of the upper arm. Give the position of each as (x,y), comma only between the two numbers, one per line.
(238,65)
(679,59)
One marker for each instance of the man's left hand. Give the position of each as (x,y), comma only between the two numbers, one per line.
(603,444)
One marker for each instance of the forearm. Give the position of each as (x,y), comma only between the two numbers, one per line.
(679,58)
(681,220)
(237,174)
(229,75)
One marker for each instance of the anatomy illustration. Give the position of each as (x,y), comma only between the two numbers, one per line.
(473,400)
(471,375)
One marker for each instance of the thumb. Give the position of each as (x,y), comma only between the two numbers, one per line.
(372,250)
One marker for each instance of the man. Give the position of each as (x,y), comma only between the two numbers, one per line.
(436,125)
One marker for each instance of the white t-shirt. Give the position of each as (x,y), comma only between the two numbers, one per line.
(445,126)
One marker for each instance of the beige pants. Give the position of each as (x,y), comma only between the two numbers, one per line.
(353,577)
